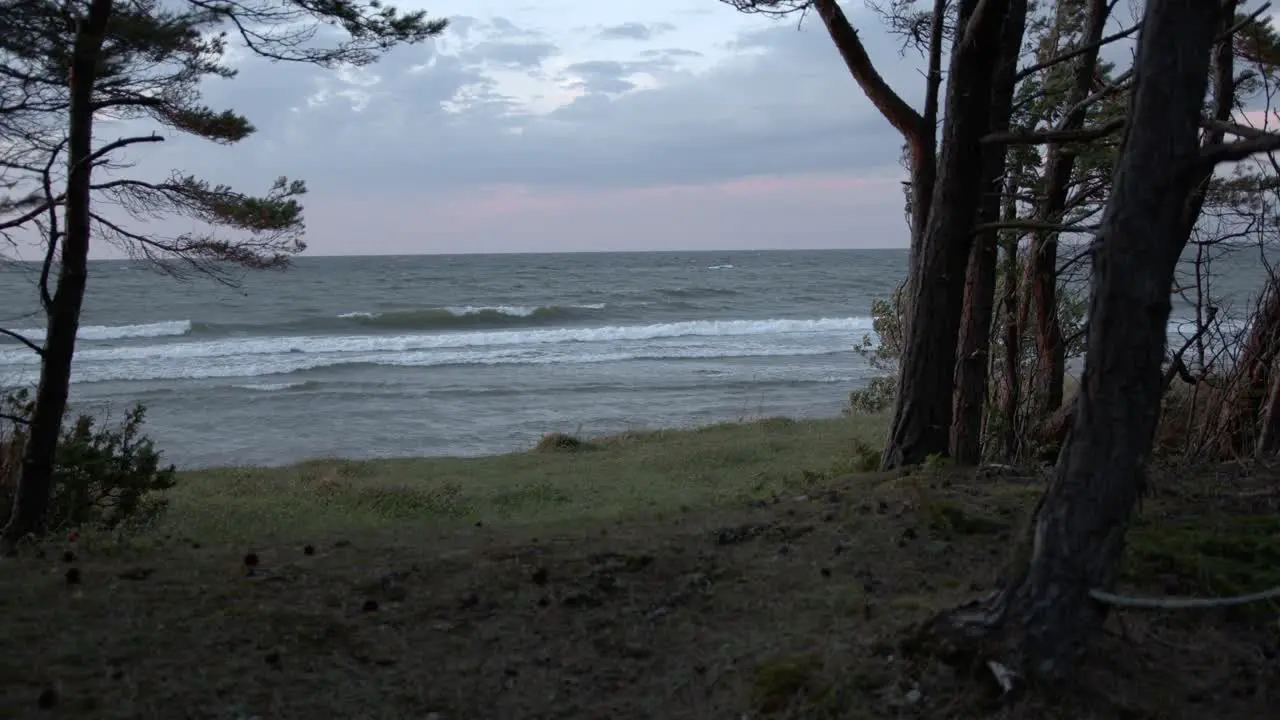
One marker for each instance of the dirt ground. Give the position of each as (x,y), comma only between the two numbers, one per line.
(789,607)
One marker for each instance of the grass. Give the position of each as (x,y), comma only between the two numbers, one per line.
(629,474)
(746,570)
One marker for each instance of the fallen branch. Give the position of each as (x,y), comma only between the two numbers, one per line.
(14,419)
(1182,603)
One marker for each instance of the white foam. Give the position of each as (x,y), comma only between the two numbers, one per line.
(257,357)
(512,310)
(241,348)
(270,387)
(719,267)
(120,332)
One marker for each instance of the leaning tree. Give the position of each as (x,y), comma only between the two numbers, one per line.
(66,66)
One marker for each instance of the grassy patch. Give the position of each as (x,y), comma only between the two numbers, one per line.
(727,571)
(628,474)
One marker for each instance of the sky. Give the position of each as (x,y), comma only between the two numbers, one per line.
(573,125)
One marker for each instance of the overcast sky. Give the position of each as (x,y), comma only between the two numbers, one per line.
(567,125)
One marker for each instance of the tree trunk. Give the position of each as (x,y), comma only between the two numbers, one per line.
(1251,376)
(1059,168)
(1269,426)
(922,412)
(1012,330)
(35,485)
(974,359)
(1077,536)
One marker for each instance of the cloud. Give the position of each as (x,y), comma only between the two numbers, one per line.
(532,124)
(634,31)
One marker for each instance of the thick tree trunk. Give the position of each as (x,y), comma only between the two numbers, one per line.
(974,360)
(35,485)
(922,412)
(1059,168)
(1077,536)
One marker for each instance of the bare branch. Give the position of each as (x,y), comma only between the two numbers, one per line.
(24,340)
(1046,137)
(1076,52)
(121,143)
(1240,149)
(1034,225)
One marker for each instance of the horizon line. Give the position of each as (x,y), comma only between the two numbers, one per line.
(305,255)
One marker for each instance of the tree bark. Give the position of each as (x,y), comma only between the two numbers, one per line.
(1251,377)
(1269,425)
(1012,329)
(922,412)
(1043,255)
(974,358)
(1077,536)
(35,485)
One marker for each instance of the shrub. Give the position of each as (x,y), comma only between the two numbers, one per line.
(106,477)
(560,442)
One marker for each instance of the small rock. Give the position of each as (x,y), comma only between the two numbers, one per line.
(272,658)
(73,576)
(539,577)
(913,696)
(251,560)
(370,605)
(309,550)
(826,572)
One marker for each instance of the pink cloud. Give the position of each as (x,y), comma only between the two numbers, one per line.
(809,211)
(802,211)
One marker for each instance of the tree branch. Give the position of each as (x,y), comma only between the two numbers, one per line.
(24,340)
(896,110)
(1076,52)
(1240,149)
(1046,137)
(14,419)
(1034,225)
(122,142)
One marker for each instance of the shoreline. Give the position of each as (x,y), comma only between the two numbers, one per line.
(589,439)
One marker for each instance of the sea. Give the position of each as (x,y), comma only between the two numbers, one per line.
(361,357)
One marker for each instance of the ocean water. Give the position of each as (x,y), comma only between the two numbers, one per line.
(462,355)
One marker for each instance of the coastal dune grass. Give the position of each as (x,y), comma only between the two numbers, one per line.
(760,569)
(634,473)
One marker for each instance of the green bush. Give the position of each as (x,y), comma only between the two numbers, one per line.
(882,354)
(105,476)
